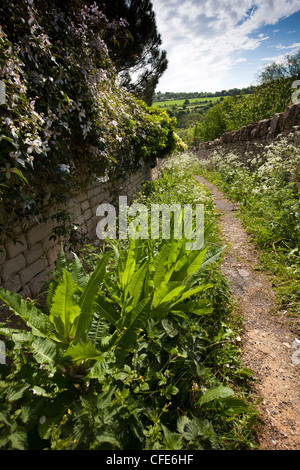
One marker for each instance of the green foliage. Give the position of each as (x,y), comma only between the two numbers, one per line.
(268,192)
(236,112)
(289,67)
(122,356)
(63,101)
(271,96)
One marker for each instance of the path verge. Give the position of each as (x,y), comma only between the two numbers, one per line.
(270,350)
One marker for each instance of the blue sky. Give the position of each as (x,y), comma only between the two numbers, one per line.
(220,44)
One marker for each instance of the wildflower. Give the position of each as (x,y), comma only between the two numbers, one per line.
(34,145)
(64,167)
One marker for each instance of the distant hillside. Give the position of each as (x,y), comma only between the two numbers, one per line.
(189,108)
(170,95)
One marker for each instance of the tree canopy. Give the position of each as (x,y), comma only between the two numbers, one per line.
(139,60)
(288,68)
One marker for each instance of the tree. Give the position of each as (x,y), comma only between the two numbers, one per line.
(139,61)
(289,68)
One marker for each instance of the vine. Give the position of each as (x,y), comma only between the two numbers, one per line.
(65,120)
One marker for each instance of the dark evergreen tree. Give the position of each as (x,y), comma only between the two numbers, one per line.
(139,61)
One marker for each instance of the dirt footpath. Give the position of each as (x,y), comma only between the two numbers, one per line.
(270,349)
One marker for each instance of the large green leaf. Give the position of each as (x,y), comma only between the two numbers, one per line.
(106,309)
(136,285)
(38,321)
(87,298)
(167,292)
(210,258)
(197,262)
(78,273)
(160,265)
(127,268)
(172,440)
(60,265)
(65,311)
(44,351)
(82,352)
(215,393)
(138,318)
(16,391)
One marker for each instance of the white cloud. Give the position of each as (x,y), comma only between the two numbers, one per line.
(204,38)
(295,46)
(291,49)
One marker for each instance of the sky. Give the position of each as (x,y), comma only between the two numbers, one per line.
(215,45)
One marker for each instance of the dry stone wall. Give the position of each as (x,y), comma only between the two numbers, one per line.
(255,136)
(25,265)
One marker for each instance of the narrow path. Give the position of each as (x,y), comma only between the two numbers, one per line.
(270,350)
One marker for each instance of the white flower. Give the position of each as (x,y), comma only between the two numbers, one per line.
(34,145)
(65,168)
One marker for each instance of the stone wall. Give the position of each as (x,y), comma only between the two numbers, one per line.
(25,266)
(255,136)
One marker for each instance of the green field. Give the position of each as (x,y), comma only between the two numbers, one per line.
(192,102)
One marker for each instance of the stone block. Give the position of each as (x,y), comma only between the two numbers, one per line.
(2,254)
(33,253)
(78,221)
(85,205)
(290,117)
(94,192)
(245,132)
(96,200)
(13,284)
(48,243)
(75,211)
(13,249)
(12,267)
(52,254)
(36,285)
(87,214)
(81,196)
(31,271)
(39,232)
(25,292)
(91,227)
(263,127)
(275,124)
